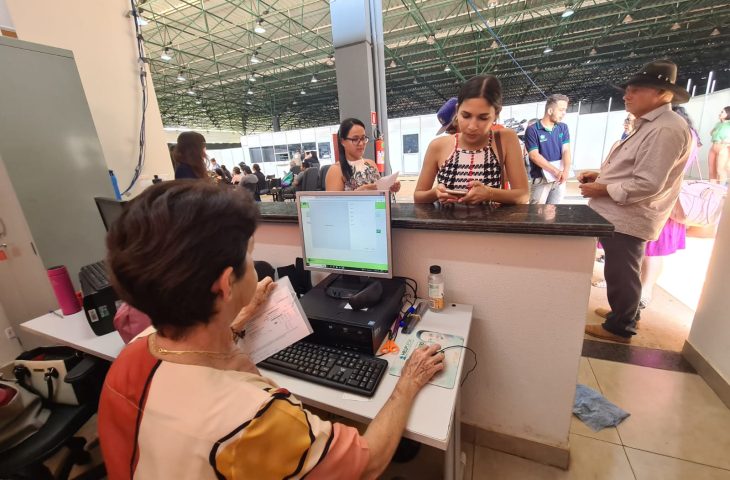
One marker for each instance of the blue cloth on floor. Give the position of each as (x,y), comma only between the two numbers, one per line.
(594,410)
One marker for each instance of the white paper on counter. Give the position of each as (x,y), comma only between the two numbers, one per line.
(280,322)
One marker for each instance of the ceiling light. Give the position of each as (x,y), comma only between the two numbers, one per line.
(547,50)
(248,102)
(415,81)
(632,54)
(628,19)
(393,64)
(250,92)
(592,52)
(294,102)
(191,92)
(259,27)
(494,44)
(447,69)
(330,60)
(568,12)
(198,102)
(715,32)
(536,69)
(314,79)
(675,26)
(254,59)
(303,92)
(430,39)
(166,55)
(493,2)
(180,77)
(252,78)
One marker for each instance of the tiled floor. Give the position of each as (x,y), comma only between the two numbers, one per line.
(678,430)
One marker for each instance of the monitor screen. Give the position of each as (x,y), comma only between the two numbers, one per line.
(109,209)
(346,232)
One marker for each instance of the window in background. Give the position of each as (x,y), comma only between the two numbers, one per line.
(410,143)
(293,148)
(325,152)
(308,147)
(256,156)
(268,153)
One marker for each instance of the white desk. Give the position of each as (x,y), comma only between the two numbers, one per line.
(435,416)
(75,331)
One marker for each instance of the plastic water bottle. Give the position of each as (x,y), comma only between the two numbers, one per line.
(115,185)
(435,289)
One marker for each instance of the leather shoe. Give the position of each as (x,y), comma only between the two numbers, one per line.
(600,332)
(603,313)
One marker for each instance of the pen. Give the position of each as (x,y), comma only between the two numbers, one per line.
(55,313)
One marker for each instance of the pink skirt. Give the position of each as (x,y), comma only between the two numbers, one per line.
(671,238)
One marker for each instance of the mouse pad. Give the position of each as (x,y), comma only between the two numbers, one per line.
(407,343)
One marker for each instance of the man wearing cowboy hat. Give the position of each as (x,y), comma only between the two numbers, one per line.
(636,189)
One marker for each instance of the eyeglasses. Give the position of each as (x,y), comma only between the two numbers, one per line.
(357,140)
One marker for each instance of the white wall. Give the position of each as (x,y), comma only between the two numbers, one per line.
(102,38)
(211,136)
(6,22)
(710,333)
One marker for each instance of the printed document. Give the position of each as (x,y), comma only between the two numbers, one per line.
(384,183)
(280,322)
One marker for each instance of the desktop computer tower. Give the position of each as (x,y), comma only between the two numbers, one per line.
(359,330)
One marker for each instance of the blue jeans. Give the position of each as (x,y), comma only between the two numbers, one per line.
(543,192)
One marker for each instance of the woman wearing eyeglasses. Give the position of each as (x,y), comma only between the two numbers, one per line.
(474,165)
(353,172)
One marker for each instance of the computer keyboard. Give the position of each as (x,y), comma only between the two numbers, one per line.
(346,370)
(93,277)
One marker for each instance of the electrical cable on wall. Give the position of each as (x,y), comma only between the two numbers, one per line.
(504,47)
(143,83)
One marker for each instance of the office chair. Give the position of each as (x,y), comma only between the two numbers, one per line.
(25,460)
(323,177)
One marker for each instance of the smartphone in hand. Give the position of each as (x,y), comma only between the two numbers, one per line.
(456,193)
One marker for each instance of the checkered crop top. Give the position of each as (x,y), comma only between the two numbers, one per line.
(464,166)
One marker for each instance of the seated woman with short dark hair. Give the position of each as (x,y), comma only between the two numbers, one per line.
(185,402)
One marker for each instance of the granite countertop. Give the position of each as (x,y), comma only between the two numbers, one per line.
(572,220)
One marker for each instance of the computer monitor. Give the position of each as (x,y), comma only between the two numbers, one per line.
(347,233)
(109,209)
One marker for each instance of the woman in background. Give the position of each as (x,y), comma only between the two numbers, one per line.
(190,156)
(717,160)
(353,172)
(236,179)
(476,161)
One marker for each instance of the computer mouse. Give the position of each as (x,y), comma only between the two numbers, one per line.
(367,297)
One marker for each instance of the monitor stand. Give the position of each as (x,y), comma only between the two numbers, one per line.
(345,286)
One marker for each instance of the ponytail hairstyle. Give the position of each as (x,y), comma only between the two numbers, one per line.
(482,86)
(342,133)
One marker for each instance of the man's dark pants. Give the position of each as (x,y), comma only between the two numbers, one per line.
(622,271)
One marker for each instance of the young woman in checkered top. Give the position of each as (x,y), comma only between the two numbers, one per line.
(476,160)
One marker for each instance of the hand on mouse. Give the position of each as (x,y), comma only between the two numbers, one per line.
(423,364)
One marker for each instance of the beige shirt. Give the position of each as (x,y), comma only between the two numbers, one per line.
(644,174)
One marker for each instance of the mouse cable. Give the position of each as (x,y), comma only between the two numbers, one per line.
(475,360)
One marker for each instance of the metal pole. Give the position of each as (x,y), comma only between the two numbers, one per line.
(605,130)
(574,144)
(378,50)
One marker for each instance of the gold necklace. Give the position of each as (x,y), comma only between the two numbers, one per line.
(163,351)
